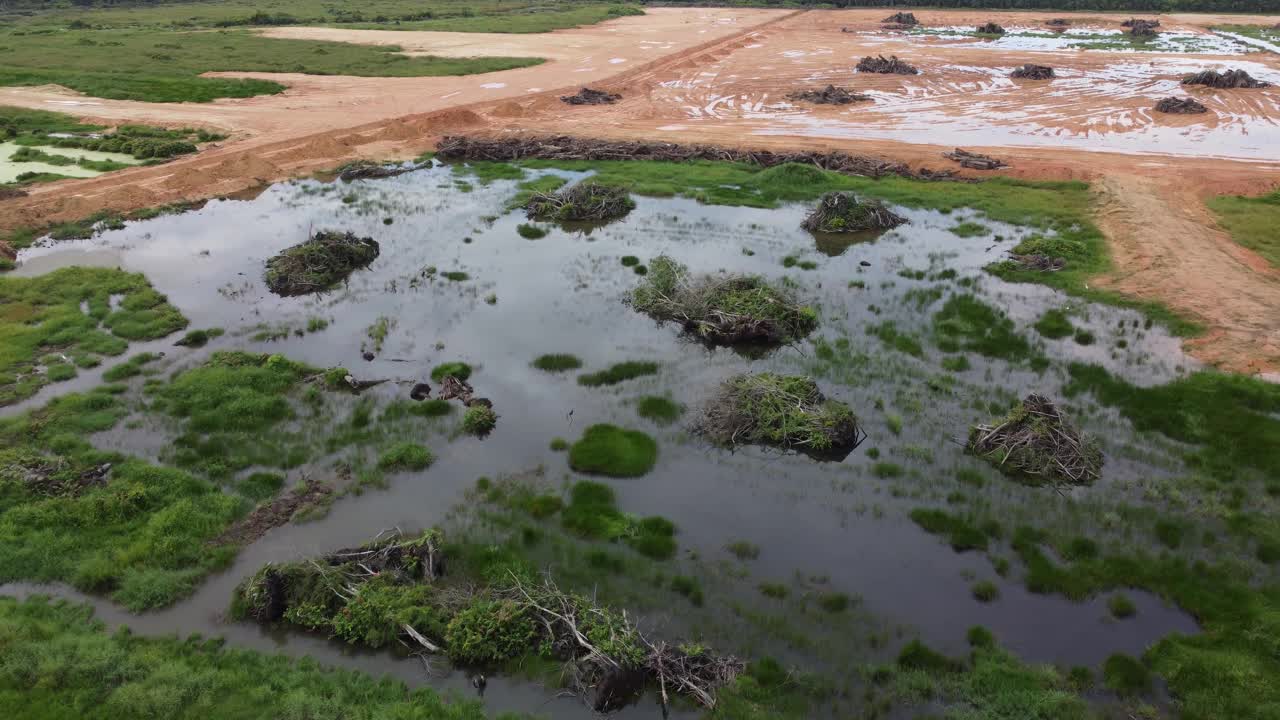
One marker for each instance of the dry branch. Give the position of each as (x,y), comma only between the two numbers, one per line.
(839,212)
(1041,263)
(974,161)
(1035,443)
(585,202)
(830,95)
(318,263)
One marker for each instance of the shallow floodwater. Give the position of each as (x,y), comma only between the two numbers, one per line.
(10,170)
(563,293)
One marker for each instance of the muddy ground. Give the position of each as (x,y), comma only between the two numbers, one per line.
(719,75)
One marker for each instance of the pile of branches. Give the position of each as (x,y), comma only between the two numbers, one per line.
(1180,106)
(974,161)
(319,263)
(1228,79)
(902,18)
(840,212)
(367,169)
(886,66)
(1142,28)
(1038,263)
(787,411)
(1035,443)
(54,476)
(990,29)
(589,96)
(586,201)
(721,309)
(830,95)
(563,147)
(1032,72)
(1058,23)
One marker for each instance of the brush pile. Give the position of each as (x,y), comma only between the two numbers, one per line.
(1037,263)
(1032,72)
(1224,80)
(1180,106)
(902,18)
(585,202)
(1058,23)
(1141,28)
(1036,444)
(319,263)
(367,169)
(989,29)
(974,161)
(562,147)
(721,309)
(394,590)
(589,96)
(840,212)
(787,411)
(830,95)
(886,66)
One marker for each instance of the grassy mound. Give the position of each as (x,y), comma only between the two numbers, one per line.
(460,370)
(1035,443)
(724,309)
(584,202)
(840,212)
(319,263)
(557,362)
(783,410)
(613,451)
(619,372)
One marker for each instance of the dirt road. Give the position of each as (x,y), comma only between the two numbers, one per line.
(718,76)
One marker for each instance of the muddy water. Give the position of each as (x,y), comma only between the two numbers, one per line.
(562,293)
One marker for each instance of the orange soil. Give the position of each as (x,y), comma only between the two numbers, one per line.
(1164,242)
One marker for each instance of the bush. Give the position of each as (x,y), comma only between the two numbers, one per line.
(613,451)
(488,632)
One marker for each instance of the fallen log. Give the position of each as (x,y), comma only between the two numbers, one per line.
(974,161)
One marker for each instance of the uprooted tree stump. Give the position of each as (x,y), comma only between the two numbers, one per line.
(1224,80)
(830,95)
(1034,443)
(319,263)
(591,96)
(1032,72)
(840,212)
(787,411)
(886,66)
(902,18)
(989,29)
(585,202)
(974,161)
(1180,106)
(722,309)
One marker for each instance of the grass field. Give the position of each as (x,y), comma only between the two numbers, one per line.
(1252,222)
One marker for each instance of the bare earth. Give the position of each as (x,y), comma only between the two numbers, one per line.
(719,76)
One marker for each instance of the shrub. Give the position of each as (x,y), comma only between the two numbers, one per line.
(489,631)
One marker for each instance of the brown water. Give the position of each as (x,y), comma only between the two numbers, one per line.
(562,293)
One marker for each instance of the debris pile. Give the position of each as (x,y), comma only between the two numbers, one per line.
(721,309)
(1037,262)
(974,161)
(841,212)
(787,411)
(1180,106)
(1058,23)
(398,588)
(589,96)
(319,263)
(509,149)
(367,169)
(1135,22)
(990,29)
(9,193)
(1224,80)
(1141,28)
(886,66)
(1032,72)
(1036,444)
(902,18)
(585,201)
(830,95)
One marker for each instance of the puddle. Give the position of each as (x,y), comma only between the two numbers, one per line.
(10,170)
(1037,39)
(562,293)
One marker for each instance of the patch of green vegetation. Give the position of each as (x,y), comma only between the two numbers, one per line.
(199,338)
(531,232)
(405,456)
(460,370)
(378,331)
(486,172)
(1251,222)
(259,486)
(455,276)
(834,602)
(613,451)
(618,373)
(1055,325)
(593,512)
(129,368)
(955,363)
(70,311)
(1121,606)
(962,535)
(889,334)
(1084,337)
(559,444)
(1124,675)
(540,184)
(630,261)
(969,324)
(970,229)
(885,470)
(985,591)
(688,587)
(659,409)
(557,362)
(479,420)
(773,590)
(980,637)
(743,550)
(787,411)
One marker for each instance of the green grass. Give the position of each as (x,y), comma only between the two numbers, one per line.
(618,373)
(970,229)
(479,420)
(557,362)
(985,591)
(64,663)
(593,513)
(613,451)
(129,368)
(966,323)
(889,334)
(1124,675)
(531,232)
(405,456)
(959,533)
(460,370)
(1251,222)
(1121,606)
(42,315)
(660,410)
(1055,325)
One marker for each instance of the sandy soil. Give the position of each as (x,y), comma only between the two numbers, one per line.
(717,75)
